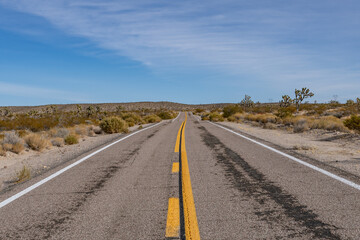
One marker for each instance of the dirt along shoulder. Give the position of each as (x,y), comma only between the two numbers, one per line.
(337,149)
(35,162)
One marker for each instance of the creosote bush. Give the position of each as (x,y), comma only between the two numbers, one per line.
(216,117)
(152,118)
(165,115)
(114,125)
(71,139)
(353,123)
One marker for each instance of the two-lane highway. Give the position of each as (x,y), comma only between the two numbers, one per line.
(183,177)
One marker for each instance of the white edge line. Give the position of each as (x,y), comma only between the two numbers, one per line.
(32,187)
(176,117)
(343,180)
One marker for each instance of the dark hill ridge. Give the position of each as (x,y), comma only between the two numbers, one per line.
(130,106)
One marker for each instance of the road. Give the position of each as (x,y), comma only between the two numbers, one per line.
(182,179)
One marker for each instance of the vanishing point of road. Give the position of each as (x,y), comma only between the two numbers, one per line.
(185,179)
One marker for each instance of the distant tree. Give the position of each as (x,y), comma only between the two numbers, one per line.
(358,103)
(98,109)
(300,95)
(90,111)
(286,101)
(120,108)
(350,102)
(246,103)
(78,109)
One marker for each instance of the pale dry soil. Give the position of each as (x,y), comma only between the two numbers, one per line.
(39,162)
(337,149)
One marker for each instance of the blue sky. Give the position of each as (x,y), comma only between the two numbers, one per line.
(64,51)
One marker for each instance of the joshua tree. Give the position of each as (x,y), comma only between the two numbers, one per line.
(300,95)
(246,102)
(90,111)
(119,108)
(78,109)
(286,101)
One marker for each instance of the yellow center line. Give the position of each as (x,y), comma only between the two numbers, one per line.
(178,139)
(175,167)
(173,219)
(190,219)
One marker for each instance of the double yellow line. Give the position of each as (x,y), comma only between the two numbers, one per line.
(189,212)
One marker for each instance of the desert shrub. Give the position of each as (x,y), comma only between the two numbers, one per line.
(36,142)
(12,138)
(61,133)
(216,117)
(353,123)
(152,118)
(270,126)
(58,142)
(81,130)
(301,125)
(7,146)
(22,133)
(114,125)
(328,123)
(2,151)
(285,112)
(231,109)
(132,118)
(23,174)
(165,115)
(17,148)
(71,139)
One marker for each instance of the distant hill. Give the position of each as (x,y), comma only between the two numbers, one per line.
(130,106)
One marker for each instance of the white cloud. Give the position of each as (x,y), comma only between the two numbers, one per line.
(229,36)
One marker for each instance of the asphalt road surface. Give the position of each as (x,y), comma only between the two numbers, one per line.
(183,179)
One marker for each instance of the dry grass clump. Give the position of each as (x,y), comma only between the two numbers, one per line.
(71,139)
(114,125)
(17,148)
(12,142)
(261,118)
(237,117)
(58,142)
(81,130)
(36,142)
(301,125)
(329,123)
(23,174)
(2,151)
(152,118)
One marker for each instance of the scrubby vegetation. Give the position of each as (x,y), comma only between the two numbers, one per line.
(47,127)
(291,114)
(114,125)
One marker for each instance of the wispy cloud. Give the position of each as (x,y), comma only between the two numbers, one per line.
(230,36)
(18,90)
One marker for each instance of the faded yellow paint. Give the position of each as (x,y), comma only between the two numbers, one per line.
(190,219)
(173,219)
(175,167)
(178,139)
